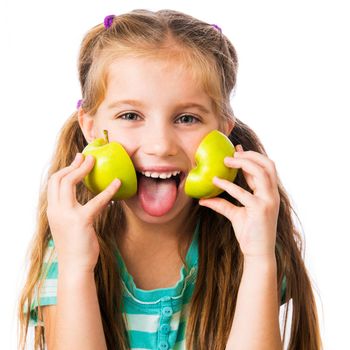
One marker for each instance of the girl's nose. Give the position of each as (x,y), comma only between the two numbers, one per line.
(160,142)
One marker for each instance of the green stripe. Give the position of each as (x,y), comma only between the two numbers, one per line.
(51,269)
(132,306)
(142,339)
(154,309)
(148,340)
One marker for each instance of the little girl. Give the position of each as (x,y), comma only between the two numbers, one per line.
(161,270)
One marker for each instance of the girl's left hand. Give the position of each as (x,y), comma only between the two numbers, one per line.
(255,224)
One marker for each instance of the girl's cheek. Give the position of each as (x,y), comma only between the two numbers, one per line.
(191,152)
(130,150)
(128,143)
(121,137)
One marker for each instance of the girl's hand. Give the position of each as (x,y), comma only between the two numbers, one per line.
(70,222)
(255,224)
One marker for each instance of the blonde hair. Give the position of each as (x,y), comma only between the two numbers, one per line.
(209,55)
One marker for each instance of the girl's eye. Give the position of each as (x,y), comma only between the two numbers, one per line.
(128,116)
(184,119)
(188,119)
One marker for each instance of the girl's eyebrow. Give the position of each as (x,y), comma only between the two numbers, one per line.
(125,102)
(136,103)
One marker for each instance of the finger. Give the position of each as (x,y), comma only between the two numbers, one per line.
(255,175)
(221,206)
(239,148)
(95,205)
(53,188)
(68,183)
(243,196)
(262,160)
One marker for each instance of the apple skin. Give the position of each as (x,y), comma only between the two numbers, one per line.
(111,161)
(209,158)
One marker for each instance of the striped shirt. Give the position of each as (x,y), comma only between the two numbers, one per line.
(156,319)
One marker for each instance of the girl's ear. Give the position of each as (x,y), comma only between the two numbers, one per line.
(228,126)
(86,123)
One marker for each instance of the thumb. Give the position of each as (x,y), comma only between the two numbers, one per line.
(99,202)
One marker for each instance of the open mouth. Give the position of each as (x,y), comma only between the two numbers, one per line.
(158,196)
(177,178)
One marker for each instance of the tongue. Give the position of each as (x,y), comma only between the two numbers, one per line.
(157,196)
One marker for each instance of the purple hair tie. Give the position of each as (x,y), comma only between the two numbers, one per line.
(108,21)
(79,103)
(217,27)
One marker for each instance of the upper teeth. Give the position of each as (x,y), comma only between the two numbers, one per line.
(161,175)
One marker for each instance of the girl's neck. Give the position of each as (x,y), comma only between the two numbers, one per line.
(144,238)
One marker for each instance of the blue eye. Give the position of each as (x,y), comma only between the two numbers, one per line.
(188,119)
(184,119)
(128,116)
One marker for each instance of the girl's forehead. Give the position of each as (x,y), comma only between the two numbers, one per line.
(128,71)
(139,63)
(154,84)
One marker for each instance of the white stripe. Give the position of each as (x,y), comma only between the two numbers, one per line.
(50,255)
(50,283)
(49,288)
(143,323)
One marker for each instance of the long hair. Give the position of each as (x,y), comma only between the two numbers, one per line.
(206,52)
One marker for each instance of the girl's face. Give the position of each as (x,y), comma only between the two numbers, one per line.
(156,111)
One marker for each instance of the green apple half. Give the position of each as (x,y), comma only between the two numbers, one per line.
(209,158)
(111,161)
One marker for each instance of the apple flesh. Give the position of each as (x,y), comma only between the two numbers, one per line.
(209,159)
(111,161)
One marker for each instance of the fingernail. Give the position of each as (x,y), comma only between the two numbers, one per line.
(116,182)
(239,148)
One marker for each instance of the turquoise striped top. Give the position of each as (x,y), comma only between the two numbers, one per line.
(156,319)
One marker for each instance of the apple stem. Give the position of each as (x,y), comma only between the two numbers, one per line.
(106,135)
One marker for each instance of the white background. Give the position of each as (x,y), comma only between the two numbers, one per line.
(293,90)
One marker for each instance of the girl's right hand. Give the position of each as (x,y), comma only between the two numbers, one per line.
(71,223)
